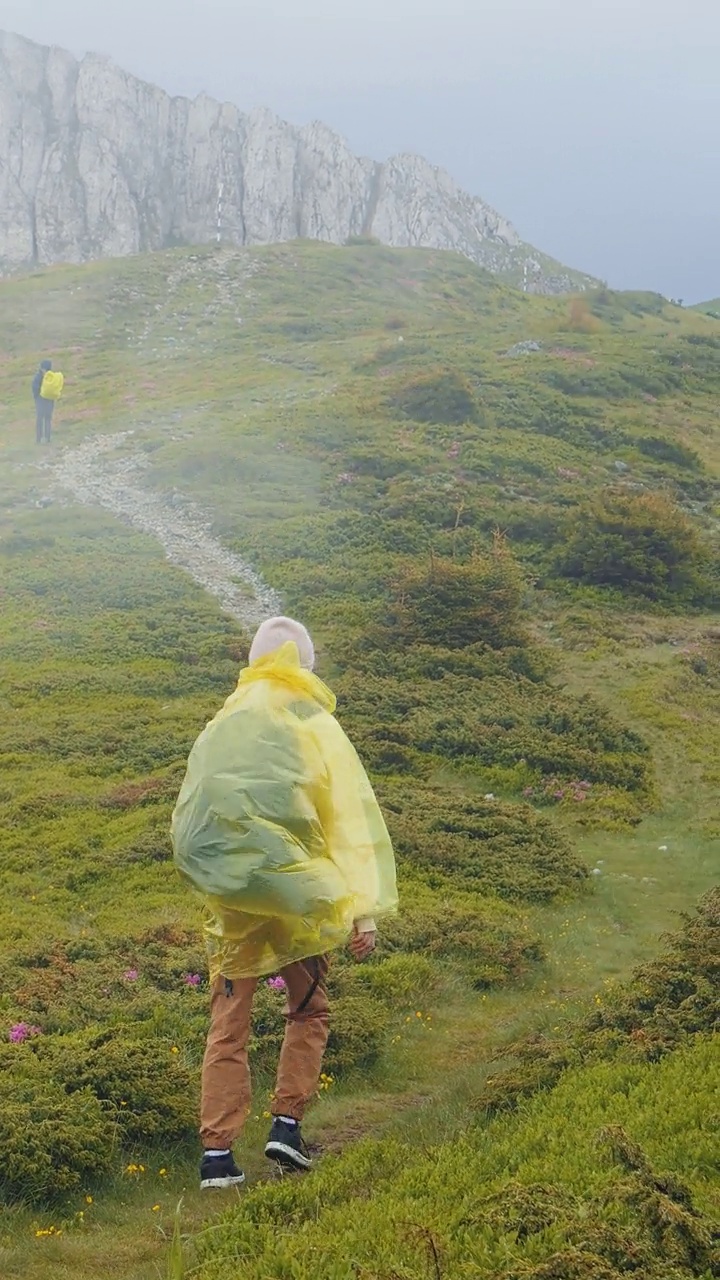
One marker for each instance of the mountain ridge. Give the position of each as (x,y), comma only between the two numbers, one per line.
(97,163)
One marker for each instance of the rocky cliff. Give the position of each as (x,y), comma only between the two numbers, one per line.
(95,163)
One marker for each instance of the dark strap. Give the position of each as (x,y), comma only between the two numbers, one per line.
(230,990)
(313,986)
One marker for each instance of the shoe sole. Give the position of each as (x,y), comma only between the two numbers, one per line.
(287,1156)
(221,1184)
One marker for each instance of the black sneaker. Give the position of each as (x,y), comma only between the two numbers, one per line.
(285,1145)
(219,1173)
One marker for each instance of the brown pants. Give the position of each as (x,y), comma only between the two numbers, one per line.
(226,1088)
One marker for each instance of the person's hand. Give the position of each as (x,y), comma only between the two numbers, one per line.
(362,945)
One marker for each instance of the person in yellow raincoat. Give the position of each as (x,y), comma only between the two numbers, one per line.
(278,829)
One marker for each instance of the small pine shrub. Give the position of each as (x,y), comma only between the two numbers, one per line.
(661,449)
(439,396)
(51,1143)
(675,996)
(658,1233)
(409,711)
(455,604)
(580,317)
(635,542)
(615,307)
(267,1028)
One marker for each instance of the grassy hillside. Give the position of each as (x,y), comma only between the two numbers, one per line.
(498,513)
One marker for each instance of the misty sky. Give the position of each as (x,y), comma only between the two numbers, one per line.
(594,125)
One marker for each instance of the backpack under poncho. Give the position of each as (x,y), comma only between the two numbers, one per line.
(277,825)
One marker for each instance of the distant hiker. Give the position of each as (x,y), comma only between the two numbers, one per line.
(277,827)
(47,388)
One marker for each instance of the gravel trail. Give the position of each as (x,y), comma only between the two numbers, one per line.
(97,479)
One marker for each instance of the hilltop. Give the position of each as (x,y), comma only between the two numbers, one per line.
(498,514)
(95,163)
(711,308)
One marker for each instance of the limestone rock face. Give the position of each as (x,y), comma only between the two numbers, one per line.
(95,163)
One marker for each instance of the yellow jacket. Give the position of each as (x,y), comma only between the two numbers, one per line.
(277,825)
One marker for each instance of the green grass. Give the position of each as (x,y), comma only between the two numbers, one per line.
(287,428)
(408,1198)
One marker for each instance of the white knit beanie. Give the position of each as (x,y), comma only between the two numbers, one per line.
(278,631)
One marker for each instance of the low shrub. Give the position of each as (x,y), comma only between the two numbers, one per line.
(358,1028)
(396,979)
(439,396)
(453,604)
(505,849)
(88,982)
(51,1142)
(571,1188)
(644,1224)
(660,449)
(144,1081)
(268,1028)
(667,1001)
(493,717)
(636,542)
(488,939)
(675,996)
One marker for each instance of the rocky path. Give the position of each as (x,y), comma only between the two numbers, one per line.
(97,475)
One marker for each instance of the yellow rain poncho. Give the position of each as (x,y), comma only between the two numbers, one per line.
(277,826)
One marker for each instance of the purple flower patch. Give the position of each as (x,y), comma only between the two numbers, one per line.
(21,1031)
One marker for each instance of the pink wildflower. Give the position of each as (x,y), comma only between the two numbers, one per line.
(192,980)
(276,984)
(21,1031)
(131,975)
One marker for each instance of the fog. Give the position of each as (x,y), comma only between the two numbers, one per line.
(592,126)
